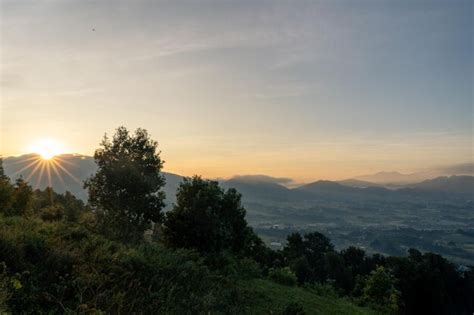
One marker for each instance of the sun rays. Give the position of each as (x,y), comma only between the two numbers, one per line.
(39,168)
(47,148)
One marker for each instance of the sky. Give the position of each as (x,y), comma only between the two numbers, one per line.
(307,89)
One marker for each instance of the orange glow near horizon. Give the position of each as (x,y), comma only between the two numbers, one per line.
(44,165)
(47,148)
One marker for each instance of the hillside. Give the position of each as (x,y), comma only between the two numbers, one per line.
(156,279)
(358,183)
(453,184)
(266,297)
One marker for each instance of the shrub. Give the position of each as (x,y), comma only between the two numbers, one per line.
(5,285)
(52,213)
(293,308)
(282,276)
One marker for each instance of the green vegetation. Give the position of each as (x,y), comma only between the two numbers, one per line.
(207,218)
(60,256)
(125,191)
(265,297)
(60,267)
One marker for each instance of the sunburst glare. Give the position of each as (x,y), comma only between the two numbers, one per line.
(47,148)
(46,160)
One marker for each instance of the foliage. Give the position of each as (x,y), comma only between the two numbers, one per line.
(312,248)
(6,190)
(416,284)
(431,284)
(22,199)
(379,291)
(206,218)
(59,267)
(52,213)
(268,297)
(293,308)
(126,191)
(5,285)
(65,268)
(283,276)
(303,271)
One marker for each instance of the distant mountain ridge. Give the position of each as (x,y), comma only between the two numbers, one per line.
(358,183)
(76,168)
(396,178)
(453,184)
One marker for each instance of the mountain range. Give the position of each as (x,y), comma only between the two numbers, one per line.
(399,179)
(73,169)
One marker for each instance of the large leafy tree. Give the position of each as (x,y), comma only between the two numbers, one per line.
(126,191)
(207,218)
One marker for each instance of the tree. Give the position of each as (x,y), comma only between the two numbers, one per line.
(316,246)
(338,272)
(206,218)
(300,266)
(313,247)
(431,284)
(379,290)
(73,207)
(126,191)
(294,247)
(22,198)
(6,190)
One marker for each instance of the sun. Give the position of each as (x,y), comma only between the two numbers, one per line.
(47,148)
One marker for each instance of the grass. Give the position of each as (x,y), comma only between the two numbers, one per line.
(267,297)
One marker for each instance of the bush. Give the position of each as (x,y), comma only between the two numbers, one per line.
(282,276)
(52,213)
(379,291)
(62,268)
(293,309)
(5,285)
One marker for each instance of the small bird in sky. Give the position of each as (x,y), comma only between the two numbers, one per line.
(93,29)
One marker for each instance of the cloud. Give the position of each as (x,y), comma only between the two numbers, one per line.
(263,179)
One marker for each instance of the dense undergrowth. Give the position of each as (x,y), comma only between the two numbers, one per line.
(59,267)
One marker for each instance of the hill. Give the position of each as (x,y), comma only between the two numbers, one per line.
(358,183)
(68,173)
(110,277)
(254,189)
(453,184)
(395,178)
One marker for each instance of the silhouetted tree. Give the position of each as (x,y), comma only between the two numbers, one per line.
(338,272)
(430,284)
(294,247)
(300,266)
(126,191)
(316,246)
(206,218)
(6,190)
(22,198)
(313,246)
